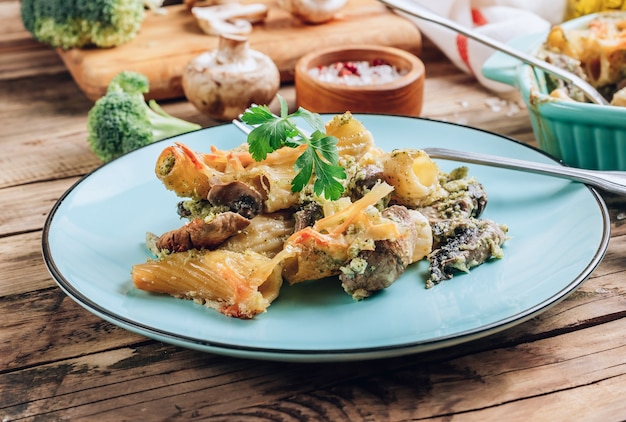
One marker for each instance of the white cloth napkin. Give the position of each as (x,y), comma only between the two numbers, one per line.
(502,20)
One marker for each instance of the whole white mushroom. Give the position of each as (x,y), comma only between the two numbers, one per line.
(313,11)
(222,83)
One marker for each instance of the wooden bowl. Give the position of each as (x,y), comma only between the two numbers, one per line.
(403,95)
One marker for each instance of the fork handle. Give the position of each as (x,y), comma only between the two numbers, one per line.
(614,182)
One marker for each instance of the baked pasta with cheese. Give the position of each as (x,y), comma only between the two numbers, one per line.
(248,232)
(596,53)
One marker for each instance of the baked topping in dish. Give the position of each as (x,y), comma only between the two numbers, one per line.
(596,53)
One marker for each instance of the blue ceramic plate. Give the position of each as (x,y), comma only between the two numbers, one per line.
(559,233)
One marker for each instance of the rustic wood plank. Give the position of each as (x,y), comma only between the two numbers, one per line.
(22,268)
(20,55)
(26,207)
(53,328)
(43,139)
(46,141)
(512,383)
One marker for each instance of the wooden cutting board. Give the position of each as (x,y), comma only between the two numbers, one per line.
(166,43)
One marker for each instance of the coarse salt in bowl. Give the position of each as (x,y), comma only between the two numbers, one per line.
(358,73)
(360,79)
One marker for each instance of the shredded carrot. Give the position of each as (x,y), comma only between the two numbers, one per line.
(235,163)
(382,231)
(345,217)
(223,157)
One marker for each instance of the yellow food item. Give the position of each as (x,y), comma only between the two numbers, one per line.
(576,8)
(236,284)
(353,138)
(600,48)
(413,175)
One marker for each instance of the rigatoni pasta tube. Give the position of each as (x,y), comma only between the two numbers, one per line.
(266,234)
(413,174)
(274,183)
(181,171)
(353,139)
(236,284)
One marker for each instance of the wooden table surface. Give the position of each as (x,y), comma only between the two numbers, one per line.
(58,361)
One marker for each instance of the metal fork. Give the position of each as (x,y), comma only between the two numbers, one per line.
(610,181)
(426,14)
(245,128)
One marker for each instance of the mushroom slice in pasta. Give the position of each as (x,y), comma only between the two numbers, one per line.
(237,197)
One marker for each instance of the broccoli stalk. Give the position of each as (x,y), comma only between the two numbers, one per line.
(79,23)
(121,120)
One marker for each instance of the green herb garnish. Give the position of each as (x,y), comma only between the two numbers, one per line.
(320,157)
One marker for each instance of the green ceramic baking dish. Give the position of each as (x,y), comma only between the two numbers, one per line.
(578,134)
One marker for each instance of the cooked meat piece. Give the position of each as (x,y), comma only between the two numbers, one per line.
(364,181)
(371,271)
(307,215)
(404,246)
(199,234)
(377,269)
(237,197)
(462,244)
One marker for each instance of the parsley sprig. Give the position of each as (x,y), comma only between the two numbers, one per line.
(320,157)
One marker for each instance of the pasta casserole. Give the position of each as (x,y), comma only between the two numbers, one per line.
(596,53)
(247,232)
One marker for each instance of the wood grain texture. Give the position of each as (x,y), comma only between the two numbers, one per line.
(166,43)
(60,362)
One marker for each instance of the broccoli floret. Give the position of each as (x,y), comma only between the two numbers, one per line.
(80,23)
(121,120)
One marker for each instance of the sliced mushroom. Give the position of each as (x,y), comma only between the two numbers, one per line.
(307,215)
(238,197)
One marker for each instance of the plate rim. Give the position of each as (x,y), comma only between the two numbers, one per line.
(328,354)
